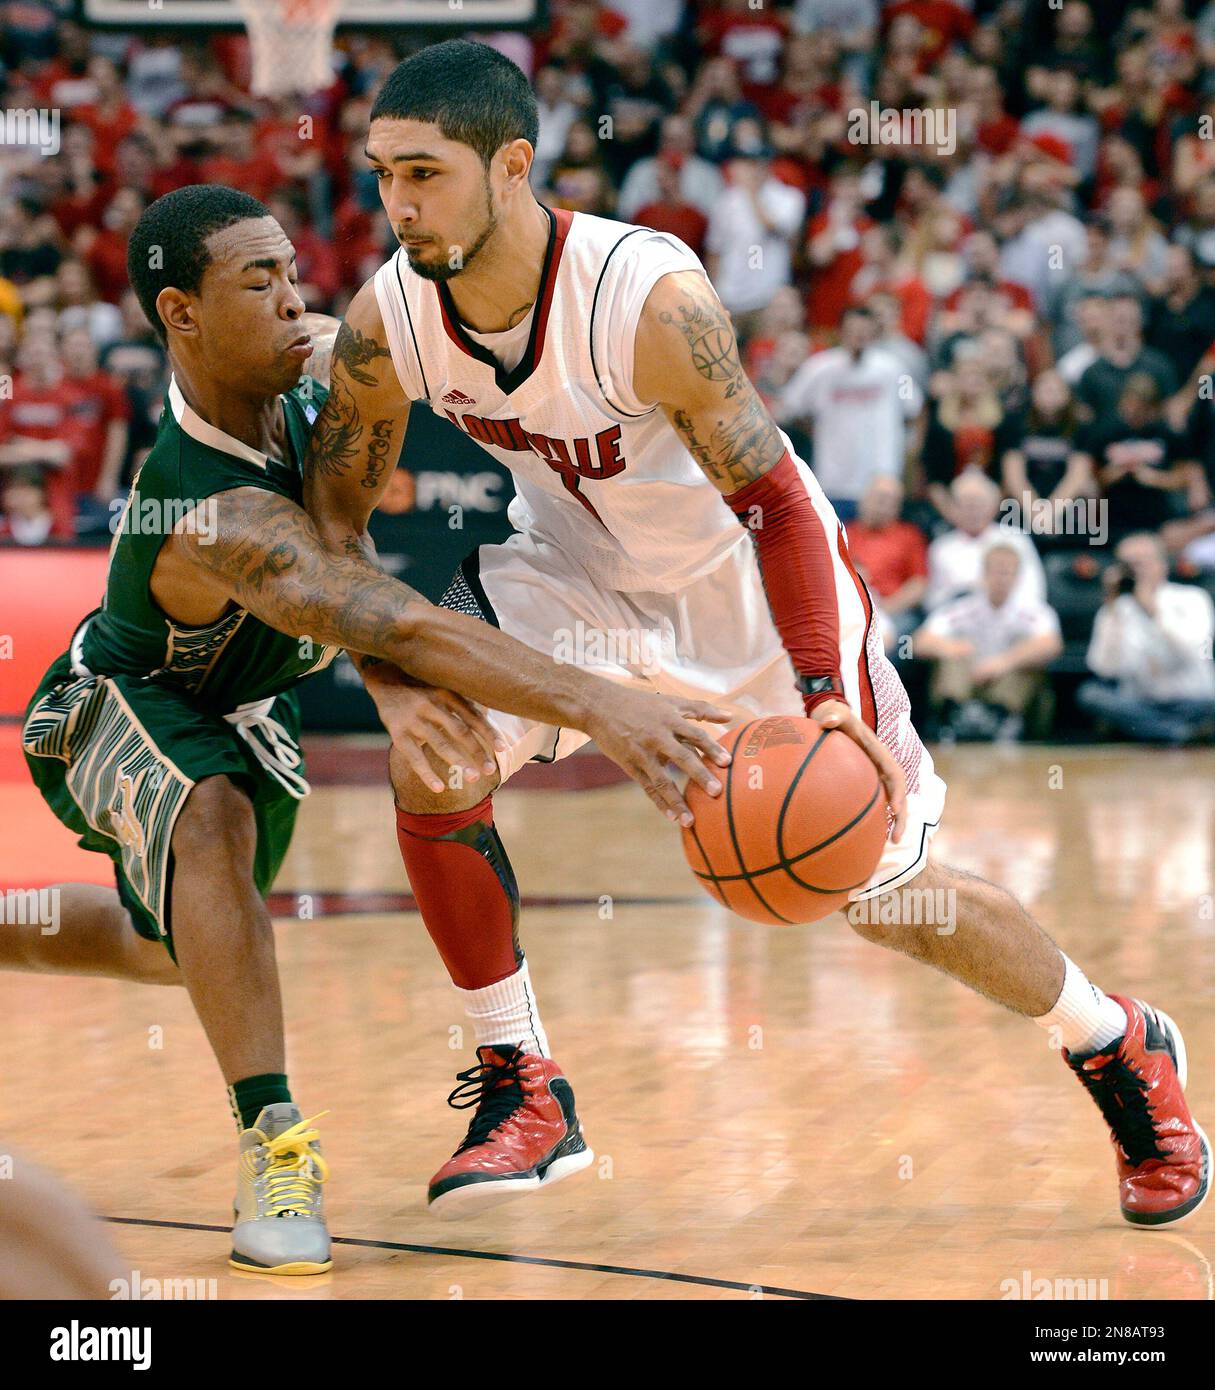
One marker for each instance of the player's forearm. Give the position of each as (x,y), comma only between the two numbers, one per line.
(797,562)
(687,359)
(268,557)
(461,653)
(363,547)
(456,652)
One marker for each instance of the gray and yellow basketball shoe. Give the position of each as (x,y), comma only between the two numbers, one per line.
(280,1208)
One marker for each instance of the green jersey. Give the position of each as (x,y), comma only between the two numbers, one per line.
(236,659)
(141,709)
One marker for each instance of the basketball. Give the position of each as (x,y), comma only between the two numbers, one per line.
(800,823)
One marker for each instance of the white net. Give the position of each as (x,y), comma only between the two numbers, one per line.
(291,43)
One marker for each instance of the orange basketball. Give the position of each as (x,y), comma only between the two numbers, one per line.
(800,823)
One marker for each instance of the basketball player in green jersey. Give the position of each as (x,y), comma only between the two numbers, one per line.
(166,736)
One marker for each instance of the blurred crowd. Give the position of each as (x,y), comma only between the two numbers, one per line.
(968,245)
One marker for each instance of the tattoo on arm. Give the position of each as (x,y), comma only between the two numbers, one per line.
(265,553)
(353,350)
(362,547)
(336,435)
(340,432)
(377,452)
(270,559)
(709,335)
(740,442)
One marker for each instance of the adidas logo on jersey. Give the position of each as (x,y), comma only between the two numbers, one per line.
(459,398)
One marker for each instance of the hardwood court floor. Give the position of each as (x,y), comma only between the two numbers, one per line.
(786,1109)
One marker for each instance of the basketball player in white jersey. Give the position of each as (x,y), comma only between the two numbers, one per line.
(595,361)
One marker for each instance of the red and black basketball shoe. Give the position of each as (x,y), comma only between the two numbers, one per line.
(1163,1157)
(525,1134)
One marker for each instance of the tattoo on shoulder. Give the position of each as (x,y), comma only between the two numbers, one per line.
(354,350)
(743,443)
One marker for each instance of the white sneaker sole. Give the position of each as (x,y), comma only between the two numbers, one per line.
(468,1200)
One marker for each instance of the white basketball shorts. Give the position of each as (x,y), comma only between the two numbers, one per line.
(713,641)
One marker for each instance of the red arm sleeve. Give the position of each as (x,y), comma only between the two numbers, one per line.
(798,573)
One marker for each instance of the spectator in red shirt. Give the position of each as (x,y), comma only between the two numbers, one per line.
(894,553)
(806,85)
(110,116)
(934,250)
(790,351)
(881,272)
(238,162)
(77,189)
(995,130)
(297,148)
(38,427)
(103,415)
(700,181)
(669,212)
(786,313)
(105,251)
(136,166)
(752,38)
(358,222)
(982,253)
(316,262)
(942,24)
(576,28)
(833,247)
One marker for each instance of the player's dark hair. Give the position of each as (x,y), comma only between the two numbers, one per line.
(168,246)
(470,91)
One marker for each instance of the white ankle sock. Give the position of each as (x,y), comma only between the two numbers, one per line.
(1087,1020)
(506,1012)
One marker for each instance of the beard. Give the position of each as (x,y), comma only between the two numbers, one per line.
(444,270)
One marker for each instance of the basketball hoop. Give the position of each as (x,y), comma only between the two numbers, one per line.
(292,44)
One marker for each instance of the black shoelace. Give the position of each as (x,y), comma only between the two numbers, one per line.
(481,1086)
(1122,1097)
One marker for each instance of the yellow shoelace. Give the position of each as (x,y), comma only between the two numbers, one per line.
(294,1168)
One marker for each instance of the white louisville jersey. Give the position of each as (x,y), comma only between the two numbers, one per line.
(598,473)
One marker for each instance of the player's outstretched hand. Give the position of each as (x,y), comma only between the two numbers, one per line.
(422,719)
(653,739)
(835,714)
